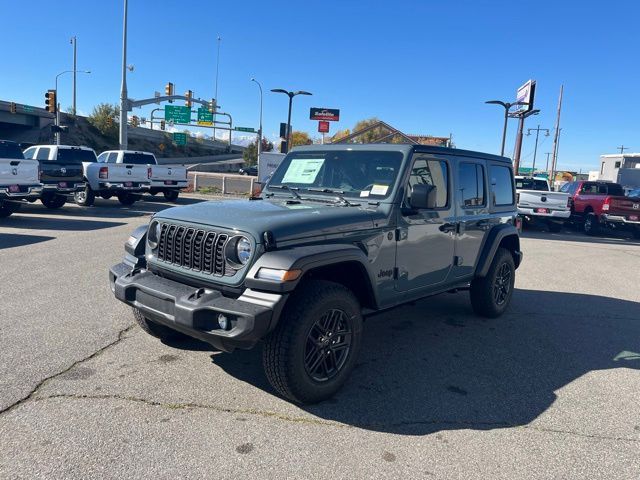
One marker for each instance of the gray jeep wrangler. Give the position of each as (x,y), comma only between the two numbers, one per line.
(339,232)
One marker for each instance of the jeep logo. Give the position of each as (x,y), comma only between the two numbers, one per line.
(385,273)
(14,171)
(63,170)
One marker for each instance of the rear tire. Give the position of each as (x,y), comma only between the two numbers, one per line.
(171,195)
(53,201)
(554,227)
(8,208)
(85,198)
(591,225)
(315,346)
(155,329)
(126,198)
(491,295)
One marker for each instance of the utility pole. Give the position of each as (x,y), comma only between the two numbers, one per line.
(622,148)
(216,92)
(554,160)
(546,169)
(535,150)
(74,42)
(123,89)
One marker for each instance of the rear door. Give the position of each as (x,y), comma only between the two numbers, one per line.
(426,237)
(472,214)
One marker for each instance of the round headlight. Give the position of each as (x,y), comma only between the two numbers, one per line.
(243,250)
(153,234)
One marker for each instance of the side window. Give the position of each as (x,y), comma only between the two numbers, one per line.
(589,188)
(113,157)
(502,185)
(29,153)
(471,184)
(429,171)
(102,158)
(617,165)
(565,188)
(43,153)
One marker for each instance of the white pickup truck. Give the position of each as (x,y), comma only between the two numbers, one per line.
(168,179)
(115,172)
(18,178)
(537,203)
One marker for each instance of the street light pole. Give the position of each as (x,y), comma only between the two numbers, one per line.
(260,127)
(123,87)
(291,95)
(57,119)
(535,150)
(75,58)
(216,89)
(507,106)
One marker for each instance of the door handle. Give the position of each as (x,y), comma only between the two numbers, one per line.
(448,227)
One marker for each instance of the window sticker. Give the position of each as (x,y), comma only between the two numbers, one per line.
(379,189)
(364,193)
(303,170)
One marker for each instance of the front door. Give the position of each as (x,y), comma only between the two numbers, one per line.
(426,237)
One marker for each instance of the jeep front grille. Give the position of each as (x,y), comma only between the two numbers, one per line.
(198,250)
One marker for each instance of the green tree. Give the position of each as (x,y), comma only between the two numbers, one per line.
(103,118)
(300,138)
(340,134)
(371,135)
(250,154)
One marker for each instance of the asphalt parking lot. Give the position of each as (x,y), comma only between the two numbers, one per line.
(549,390)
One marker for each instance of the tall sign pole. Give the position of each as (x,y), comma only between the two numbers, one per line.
(75,57)
(123,88)
(554,156)
(518,146)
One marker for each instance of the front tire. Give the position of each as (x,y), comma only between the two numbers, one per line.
(85,197)
(315,346)
(491,295)
(53,201)
(126,198)
(591,225)
(171,195)
(155,329)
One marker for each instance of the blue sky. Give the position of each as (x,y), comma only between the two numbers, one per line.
(424,67)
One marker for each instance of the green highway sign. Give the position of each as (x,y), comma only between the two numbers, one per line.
(205,117)
(245,129)
(177,114)
(179,138)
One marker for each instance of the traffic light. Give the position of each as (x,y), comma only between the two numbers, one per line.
(50,101)
(109,122)
(162,124)
(212,105)
(12,107)
(135,121)
(168,90)
(189,95)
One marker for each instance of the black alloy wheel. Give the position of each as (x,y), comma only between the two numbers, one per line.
(328,345)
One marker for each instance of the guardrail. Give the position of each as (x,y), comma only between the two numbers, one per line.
(223,183)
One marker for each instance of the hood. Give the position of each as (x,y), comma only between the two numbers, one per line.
(287,221)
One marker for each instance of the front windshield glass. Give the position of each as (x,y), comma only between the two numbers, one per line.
(351,173)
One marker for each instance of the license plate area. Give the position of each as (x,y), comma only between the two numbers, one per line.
(63,185)
(542,210)
(633,218)
(128,184)
(169,182)
(14,188)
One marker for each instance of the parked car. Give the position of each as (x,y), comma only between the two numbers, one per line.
(18,178)
(165,179)
(536,203)
(114,172)
(339,232)
(60,171)
(597,205)
(252,171)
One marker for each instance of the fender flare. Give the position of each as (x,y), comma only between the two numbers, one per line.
(305,258)
(490,247)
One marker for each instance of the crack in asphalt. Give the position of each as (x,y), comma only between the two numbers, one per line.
(316,421)
(42,382)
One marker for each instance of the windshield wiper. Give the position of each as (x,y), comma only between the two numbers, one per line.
(338,193)
(291,190)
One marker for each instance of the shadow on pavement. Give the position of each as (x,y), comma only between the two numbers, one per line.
(435,366)
(568,234)
(17,240)
(57,223)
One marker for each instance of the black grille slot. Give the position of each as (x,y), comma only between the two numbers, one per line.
(194,249)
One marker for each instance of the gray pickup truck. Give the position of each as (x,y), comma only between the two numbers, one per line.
(339,232)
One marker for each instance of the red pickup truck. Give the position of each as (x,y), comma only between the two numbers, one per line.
(602,204)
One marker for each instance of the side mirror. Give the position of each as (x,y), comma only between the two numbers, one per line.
(423,196)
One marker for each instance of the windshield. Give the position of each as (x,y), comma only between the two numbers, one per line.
(531,184)
(138,159)
(348,172)
(75,155)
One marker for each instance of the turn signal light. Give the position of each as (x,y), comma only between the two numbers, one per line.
(104,172)
(148,172)
(278,275)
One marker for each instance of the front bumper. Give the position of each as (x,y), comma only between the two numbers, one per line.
(619,219)
(558,214)
(195,311)
(56,188)
(31,192)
